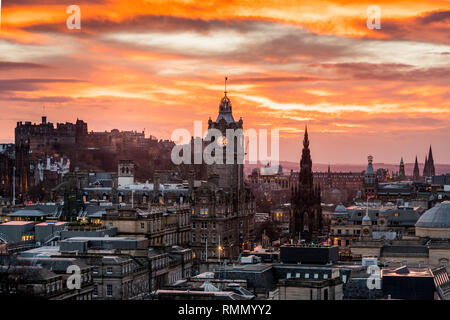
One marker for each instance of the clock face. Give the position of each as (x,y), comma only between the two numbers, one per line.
(222,141)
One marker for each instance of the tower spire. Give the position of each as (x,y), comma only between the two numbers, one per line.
(425,167)
(305,138)
(226,78)
(431,170)
(305,176)
(416,174)
(401,171)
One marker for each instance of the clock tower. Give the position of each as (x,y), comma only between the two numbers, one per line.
(230,175)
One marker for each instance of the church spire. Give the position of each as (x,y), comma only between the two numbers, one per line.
(425,166)
(431,163)
(416,173)
(430,154)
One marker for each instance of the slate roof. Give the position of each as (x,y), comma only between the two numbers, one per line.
(37,210)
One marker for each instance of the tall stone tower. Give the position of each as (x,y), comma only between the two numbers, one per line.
(125,172)
(223,206)
(370,179)
(306,211)
(401,171)
(229,175)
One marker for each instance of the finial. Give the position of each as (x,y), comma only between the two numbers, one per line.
(226,78)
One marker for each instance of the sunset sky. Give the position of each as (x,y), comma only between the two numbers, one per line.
(160,65)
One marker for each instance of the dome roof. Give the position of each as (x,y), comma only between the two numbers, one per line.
(436,217)
(369,170)
(340,209)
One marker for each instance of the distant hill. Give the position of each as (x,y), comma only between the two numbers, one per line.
(320,167)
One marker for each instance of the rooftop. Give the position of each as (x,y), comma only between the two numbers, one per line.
(436,217)
(407,272)
(16,223)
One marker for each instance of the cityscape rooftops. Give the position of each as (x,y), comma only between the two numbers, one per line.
(44,251)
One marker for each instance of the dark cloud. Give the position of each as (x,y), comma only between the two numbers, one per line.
(30,84)
(388,71)
(54,99)
(402,122)
(154,23)
(436,16)
(430,27)
(7,65)
(17,3)
(276,79)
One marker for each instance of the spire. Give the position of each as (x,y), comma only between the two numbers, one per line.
(431,163)
(226,78)
(401,171)
(305,138)
(430,155)
(429,170)
(425,167)
(225,107)
(416,173)
(305,176)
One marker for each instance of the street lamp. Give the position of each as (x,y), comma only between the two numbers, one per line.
(220,249)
